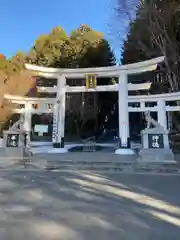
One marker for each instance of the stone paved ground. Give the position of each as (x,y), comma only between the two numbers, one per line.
(46,205)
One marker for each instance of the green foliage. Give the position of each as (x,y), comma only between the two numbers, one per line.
(139,46)
(83,48)
(47,48)
(155,32)
(114,81)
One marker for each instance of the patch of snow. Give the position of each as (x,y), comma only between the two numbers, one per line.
(125,151)
(58,150)
(44,149)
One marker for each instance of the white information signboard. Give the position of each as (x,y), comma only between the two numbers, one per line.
(41,129)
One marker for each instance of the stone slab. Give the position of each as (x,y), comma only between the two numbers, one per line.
(125,151)
(160,132)
(156,155)
(14,152)
(58,150)
(20,138)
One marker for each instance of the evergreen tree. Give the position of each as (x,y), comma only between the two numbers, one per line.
(155,32)
(83,48)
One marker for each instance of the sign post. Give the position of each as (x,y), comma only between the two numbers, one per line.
(155,141)
(91,80)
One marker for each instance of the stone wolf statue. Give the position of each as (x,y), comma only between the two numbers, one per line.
(150,121)
(18,126)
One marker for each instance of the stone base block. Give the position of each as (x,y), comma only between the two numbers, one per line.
(156,155)
(125,151)
(58,150)
(59,144)
(14,153)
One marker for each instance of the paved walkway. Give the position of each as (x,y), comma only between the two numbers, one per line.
(79,206)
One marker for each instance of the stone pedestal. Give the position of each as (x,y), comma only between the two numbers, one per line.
(14,153)
(13,139)
(14,145)
(125,151)
(155,146)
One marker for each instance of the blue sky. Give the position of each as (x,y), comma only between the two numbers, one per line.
(23,21)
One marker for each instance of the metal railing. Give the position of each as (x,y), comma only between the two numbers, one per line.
(89,145)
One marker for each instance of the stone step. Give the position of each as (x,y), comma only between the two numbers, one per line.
(89,163)
(88,166)
(115,169)
(115,166)
(94,168)
(109,164)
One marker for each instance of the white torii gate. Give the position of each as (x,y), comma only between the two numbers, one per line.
(122,87)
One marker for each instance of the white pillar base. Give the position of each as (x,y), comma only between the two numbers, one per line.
(58,150)
(124,151)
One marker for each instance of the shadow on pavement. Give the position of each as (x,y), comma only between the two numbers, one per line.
(76,205)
